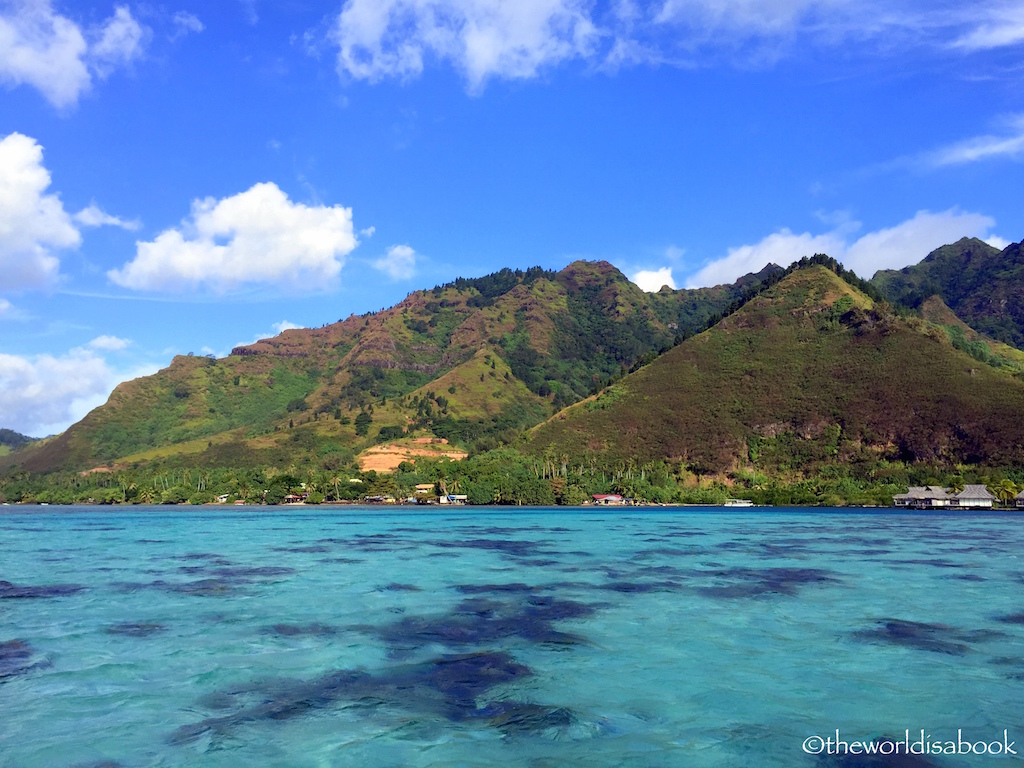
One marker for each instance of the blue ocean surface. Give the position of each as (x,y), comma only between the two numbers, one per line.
(503,637)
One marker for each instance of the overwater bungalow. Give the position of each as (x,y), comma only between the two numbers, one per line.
(923,497)
(974,497)
(937,497)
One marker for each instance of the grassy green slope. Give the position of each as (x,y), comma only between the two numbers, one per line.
(981,284)
(807,372)
(551,337)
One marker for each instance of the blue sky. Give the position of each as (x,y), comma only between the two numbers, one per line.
(190,176)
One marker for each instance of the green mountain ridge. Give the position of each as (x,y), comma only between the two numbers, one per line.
(473,360)
(808,373)
(981,284)
(11,440)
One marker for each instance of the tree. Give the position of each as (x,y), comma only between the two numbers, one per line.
(363,422)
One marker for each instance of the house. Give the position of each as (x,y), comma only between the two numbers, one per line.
(425,489)
(974,497)
(1020,500)
(923,497)
(608,499)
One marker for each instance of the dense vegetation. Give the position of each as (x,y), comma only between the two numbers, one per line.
(797,385)
(981,284)
(9,440)
(502,476)
(809,372)
(474,361)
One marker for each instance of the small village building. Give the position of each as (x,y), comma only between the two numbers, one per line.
(923,497)
(608,499)
(1019,498)
(974,497)
(425,489)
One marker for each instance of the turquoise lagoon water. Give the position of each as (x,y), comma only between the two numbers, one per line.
(361,637)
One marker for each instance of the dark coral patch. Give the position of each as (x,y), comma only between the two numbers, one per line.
(480,620)
(1011,618)
(511,547)
(299,630)
(311,548)
(514,717)
(937,638)
(448,686)
(397,587)
(16,659)
(136,629)
(758,582)
(9,591)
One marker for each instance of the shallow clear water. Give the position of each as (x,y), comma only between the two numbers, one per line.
(697,637)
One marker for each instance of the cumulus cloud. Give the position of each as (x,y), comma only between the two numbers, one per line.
(399,263)
(94,216)
(110,343)
(286,325)
(482,38)
(50,52)
(33,224)
(5,307)
(44,394)
(257,236)
(892,248)
(651,280)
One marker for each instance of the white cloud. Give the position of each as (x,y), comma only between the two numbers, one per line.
(109,343)
(761,17)
(185,23)
(651,280)
(399,262)
(256,236)
(1009,145)
(278,329)
(482,38)
(5,307)
(909,242)
(94,216)
(119,42)
(44,394)
(997,242)
(33,224)
(997,26)
(892,248)
(42,48)
(782,248)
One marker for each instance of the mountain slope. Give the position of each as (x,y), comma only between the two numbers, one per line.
(981,284)
(472,359)
(809,371)
(11,440)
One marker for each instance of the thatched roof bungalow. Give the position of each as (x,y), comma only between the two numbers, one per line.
(974,496)
(923,497)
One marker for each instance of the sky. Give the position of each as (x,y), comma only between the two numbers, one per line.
(187,176)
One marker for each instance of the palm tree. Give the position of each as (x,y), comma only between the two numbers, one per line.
(1005,491)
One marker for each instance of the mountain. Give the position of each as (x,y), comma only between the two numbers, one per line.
(473,361)
(11,440)
(808,372)
(981,284)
